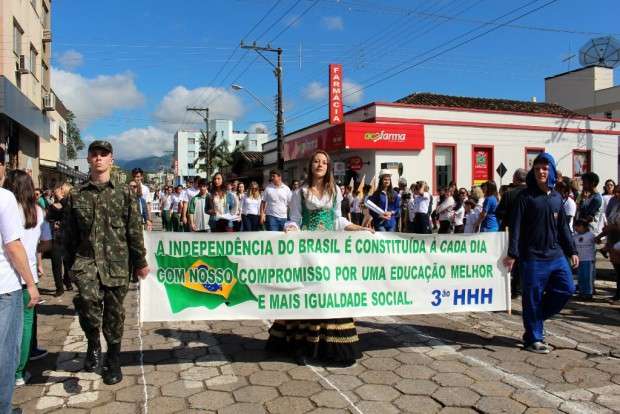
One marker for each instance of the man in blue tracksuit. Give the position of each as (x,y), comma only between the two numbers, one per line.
(541,239)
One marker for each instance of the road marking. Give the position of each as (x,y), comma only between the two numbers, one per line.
(511,378)
(145,407)
(342,394)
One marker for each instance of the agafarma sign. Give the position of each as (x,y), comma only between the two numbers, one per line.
(365,135)
(335,94)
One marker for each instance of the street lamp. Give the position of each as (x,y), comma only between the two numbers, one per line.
(236,87)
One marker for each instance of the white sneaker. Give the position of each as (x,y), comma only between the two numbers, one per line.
(19,382)
(539,348)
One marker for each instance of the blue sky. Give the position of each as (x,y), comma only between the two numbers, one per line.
(129,69)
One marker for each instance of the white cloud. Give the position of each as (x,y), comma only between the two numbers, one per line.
(70,59)
(139,143)
(95,98)
(332,23)
(317,91)
(172,114)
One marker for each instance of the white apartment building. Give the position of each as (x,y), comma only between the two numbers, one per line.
(25,92)
(187,146)
(223,130)
(588,90)
(186,149)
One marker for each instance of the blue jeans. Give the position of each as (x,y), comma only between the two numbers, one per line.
(11,316)
(385,226)
(546,286)
(585,274)
(273,223)
(250,222)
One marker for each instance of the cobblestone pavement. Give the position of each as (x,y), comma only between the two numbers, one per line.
(456,363)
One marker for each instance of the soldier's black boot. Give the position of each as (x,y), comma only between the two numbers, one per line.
(112,373)
(93,356)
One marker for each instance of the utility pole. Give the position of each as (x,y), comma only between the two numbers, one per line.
(204,113)
(277,71)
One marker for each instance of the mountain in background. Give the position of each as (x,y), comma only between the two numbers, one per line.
(148,164)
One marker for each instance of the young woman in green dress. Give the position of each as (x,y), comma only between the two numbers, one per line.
(316,207)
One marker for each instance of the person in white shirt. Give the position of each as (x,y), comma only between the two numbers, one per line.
(145,193)
(14,267)
(276,198)
(250,208)
(586,250)
(471,217)
(419,205)
(570,207)
(175,209)
(36,230)
(165,206)
(186,196)
(445,210)
(458,216)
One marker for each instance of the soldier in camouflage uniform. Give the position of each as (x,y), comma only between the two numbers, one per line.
(103,237)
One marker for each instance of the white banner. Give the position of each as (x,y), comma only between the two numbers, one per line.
(314,275)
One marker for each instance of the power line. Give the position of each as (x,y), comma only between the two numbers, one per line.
(459,44)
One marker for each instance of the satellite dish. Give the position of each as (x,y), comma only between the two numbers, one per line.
(602,51)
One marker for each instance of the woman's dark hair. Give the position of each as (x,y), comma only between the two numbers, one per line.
(222,187)
(20,184)
(391,194)
(491,189)
(328,180)
(458,202)
(605,187)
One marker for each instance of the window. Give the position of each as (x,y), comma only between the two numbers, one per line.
(18,76)
(190,165)
(45,80)
(61,135)
(581,162)
(46,17)
(530,156)
(17,38)
(608,115)
(191,155)
(444,165)
(33,61)
(191,142)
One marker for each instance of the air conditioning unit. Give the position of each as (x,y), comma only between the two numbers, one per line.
(49,102)
(24,65)
(47,36)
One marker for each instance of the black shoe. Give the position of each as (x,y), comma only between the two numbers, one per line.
(58,293)
(93,356)
(112,373)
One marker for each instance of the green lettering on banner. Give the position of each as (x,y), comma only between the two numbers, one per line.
(284,301)
(329,300)
(391,298)
(471,271)
(346,273)
(373,273)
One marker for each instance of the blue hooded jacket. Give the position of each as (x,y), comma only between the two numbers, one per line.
(539,227)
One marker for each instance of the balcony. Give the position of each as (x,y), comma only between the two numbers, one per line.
(47,36)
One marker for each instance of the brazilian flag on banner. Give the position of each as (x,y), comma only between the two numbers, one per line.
(191,292)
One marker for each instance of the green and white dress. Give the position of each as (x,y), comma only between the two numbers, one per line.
(333,340)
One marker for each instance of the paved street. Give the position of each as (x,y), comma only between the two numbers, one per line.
(454,363)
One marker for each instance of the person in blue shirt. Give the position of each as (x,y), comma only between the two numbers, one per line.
(387,199)
(488,220)
(541,240)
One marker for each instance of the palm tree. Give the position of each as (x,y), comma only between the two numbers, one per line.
(219,154)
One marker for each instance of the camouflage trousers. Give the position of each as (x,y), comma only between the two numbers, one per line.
(99,308)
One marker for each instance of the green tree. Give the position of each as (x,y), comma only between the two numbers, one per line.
(73,137)
(219,154)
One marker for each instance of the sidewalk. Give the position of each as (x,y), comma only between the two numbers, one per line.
(455,363)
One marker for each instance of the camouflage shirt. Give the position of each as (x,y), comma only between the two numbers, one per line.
(103,233)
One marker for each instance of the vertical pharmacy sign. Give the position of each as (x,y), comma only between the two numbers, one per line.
(335,94)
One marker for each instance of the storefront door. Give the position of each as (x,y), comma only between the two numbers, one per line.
(482,164)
